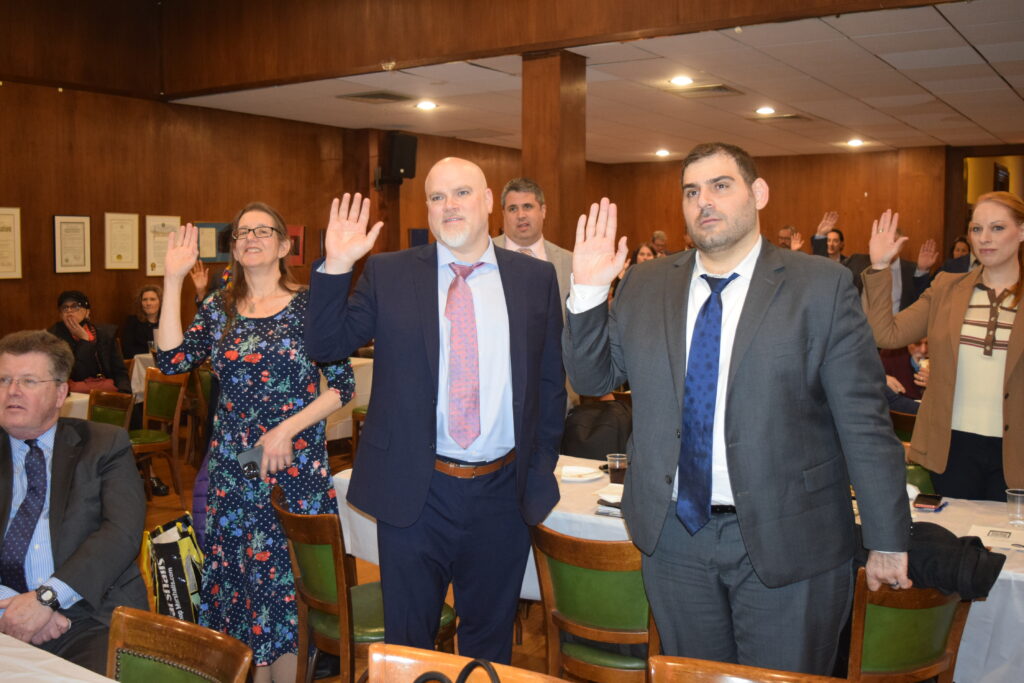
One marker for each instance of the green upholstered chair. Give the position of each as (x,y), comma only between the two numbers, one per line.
(903,424)
(358,417)
(161,422)
(335,614)
(111,407)
(901,636)
(663,669)
(153,648)
(593,590)
(920,477)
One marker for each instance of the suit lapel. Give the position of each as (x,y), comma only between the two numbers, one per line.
(6,482)
(677,293)
(67,448)
(764,283)
(424,286)
(515,302)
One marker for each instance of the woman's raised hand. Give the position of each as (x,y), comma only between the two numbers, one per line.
(182,252)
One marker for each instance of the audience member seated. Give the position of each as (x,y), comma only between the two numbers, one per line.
(98,365)
(659,241)
(909,367)
(137,331)
(909,280)
(968,429)
(68,550)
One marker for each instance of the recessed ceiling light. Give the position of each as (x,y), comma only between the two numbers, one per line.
(426,105)
(662,153)
(765,111)
(855,142)
(681,80)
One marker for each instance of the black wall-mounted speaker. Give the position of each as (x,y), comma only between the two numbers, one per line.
(399,157)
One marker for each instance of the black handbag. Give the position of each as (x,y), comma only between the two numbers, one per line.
(463,675)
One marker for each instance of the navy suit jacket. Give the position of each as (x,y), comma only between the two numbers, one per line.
(395,303)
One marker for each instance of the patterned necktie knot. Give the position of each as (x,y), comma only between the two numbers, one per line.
(700,392)
(464,271)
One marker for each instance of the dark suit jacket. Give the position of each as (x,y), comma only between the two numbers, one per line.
(913,287)
(395,303)
(805,413)
(97,514)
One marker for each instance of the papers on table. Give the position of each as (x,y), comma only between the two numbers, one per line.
(1004,538)
(609,500)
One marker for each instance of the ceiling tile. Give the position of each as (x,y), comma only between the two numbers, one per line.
(887,21)
(918,59)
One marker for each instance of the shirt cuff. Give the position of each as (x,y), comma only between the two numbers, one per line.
(582,298)
(66,595)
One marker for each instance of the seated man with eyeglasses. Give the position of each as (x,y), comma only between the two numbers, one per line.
(72,509)
(98,365)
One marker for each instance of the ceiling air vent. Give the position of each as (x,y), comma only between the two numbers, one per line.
(773,118)
(375,97)
(710,90)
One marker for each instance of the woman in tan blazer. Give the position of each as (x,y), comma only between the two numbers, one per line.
(970,429)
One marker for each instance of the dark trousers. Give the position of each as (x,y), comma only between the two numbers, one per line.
(974,469)
(471,535)
(85,643)
(709,603)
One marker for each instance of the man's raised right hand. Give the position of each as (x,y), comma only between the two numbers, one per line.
(347,239)
(595,258)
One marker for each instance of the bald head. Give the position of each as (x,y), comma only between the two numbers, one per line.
(458,203)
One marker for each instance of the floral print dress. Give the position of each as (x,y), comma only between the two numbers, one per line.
(265,376)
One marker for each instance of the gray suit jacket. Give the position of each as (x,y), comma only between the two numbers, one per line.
(805,412)
(97,514)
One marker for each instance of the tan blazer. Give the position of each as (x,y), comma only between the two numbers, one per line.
(939,315)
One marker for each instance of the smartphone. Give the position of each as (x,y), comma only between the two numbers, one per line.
(250,461)
(928,501)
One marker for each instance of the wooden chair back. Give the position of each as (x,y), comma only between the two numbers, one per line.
(593,590)
(165,396)
(145,647)
(664,669)
(904,635)
(110,407)
(389,663)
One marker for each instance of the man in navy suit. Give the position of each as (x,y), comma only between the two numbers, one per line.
(457,454)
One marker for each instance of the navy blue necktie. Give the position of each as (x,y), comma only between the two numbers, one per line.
(23,526)
(693,505)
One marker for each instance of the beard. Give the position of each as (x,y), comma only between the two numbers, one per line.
(727,233)
(453,235)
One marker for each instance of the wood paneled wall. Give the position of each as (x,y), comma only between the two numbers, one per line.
(103,45)
(213,46)
(86,154)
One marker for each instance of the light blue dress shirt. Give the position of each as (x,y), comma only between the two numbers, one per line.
(497,433)
(39,559)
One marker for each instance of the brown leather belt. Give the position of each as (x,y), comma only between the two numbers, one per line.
(472,471)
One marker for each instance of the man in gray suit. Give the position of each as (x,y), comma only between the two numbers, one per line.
(72,509)
(748,555)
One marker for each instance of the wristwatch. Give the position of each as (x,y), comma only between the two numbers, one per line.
(47,597)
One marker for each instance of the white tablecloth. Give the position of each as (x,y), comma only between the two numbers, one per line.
(339,423)
(23,662)
(992,648)
(574,515)
(142,361)
(75,405)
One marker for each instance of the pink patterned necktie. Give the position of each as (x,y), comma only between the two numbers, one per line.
(463,362)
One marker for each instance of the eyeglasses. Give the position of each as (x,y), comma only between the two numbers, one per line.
(26,383)
(261,231)
(69,308)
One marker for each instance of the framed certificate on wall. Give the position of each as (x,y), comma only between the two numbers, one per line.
(71,247)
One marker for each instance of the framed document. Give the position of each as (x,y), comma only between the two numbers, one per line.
(121,243)
(296,255)
(10,243)
(209,250)
(71,244)
(158,230)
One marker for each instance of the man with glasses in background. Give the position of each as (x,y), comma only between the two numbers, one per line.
(72,509)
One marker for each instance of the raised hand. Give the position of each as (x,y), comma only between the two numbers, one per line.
(200,275)
(595,259)
(927,255)
(182,252)
(828,222)
(796,242)
(347,239)
(885,242)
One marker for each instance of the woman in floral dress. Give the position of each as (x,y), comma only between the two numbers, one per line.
(252,332)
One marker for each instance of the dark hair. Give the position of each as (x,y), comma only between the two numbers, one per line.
(522,185)
(709,149)
(636,252)
(839,232)
(1015,206)
(958,240)
(137,306)
(239,288)
(41,341)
